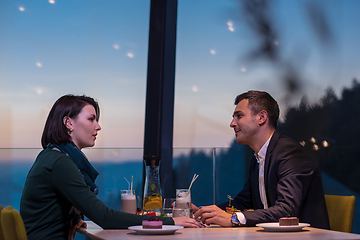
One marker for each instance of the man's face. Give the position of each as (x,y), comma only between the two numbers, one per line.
(244,123)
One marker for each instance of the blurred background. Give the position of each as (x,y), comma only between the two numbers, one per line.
(304,53)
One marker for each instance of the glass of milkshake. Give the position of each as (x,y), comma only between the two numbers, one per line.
(128,201)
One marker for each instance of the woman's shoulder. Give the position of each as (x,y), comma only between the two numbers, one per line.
(47,160)
(56,153)
(52,156)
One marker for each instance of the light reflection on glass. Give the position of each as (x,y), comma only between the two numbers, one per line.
(39,91)
(130,55)
(230,25)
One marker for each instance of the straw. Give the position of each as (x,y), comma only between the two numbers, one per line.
(127,182)
(192,181)
(132,181)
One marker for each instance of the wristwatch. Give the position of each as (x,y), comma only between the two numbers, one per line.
(234,220)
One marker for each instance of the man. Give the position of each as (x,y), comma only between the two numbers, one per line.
(284,179)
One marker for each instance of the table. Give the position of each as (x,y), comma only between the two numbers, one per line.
(216,233)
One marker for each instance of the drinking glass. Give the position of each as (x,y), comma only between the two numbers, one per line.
(128,201)
(182,206)
(181,209)
(183,196)
(168,205)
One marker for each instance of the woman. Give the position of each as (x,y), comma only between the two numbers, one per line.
(60,186)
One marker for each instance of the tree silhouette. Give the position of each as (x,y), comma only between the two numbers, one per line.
(329,130)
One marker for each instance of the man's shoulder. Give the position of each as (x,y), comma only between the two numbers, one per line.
(284,145)
(284,139)
(287,148)
(281,140)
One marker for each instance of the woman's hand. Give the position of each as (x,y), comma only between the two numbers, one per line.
(187,222)
(72,229)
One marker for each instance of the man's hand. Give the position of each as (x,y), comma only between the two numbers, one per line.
(213,214)
(187,222)
(194,208)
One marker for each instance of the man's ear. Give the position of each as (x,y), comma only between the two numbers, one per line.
(263,117)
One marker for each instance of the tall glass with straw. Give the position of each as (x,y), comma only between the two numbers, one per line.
(183,200)
(128,199)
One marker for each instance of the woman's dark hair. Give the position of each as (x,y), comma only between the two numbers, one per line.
(259,101)
(66,106)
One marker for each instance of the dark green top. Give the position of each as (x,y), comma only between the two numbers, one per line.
(53,185)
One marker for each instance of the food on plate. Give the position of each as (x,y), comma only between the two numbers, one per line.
(139,211)
(288,221)
(150,214)
(232,209)
(248,210)
(153,223)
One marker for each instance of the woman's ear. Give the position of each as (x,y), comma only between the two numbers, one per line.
(263,117)
(68,123)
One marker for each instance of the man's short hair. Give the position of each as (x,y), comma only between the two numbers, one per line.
(259,101)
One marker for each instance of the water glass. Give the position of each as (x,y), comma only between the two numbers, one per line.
(181,209)
(168,205)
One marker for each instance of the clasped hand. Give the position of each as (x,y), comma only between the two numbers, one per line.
(213,214)
(73,228)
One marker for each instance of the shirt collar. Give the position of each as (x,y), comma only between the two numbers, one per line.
(260,156)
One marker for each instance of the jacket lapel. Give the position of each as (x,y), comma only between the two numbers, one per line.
(255,185)
(271,147)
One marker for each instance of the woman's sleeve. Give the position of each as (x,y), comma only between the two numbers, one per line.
(70,184)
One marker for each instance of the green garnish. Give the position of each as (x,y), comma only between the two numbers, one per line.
(153,186)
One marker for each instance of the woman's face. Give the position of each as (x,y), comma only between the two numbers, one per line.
(84,127)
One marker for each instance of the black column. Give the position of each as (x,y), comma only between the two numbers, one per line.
(159,112)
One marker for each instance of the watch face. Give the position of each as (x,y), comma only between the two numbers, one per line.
(234,219)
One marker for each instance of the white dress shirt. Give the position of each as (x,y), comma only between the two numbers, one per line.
(260,157)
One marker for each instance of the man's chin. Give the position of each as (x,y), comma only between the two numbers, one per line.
(241,141)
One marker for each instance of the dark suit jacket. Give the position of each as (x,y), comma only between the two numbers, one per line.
(293,186)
